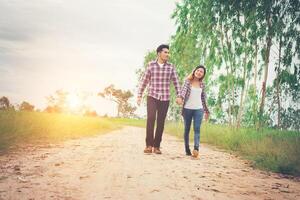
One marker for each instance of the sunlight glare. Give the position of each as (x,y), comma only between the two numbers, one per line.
(73,101)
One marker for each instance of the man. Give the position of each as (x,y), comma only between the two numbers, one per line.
(158,75)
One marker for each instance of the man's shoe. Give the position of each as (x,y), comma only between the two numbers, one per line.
(148,149)
(195,153)
(157,150)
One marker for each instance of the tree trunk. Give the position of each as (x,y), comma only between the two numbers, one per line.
(232,63)
(278,86)
(255,67)
(239,117)
(255,105)
(267,57)
(228,83)
(118,115)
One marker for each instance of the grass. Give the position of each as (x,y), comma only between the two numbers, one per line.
(33,127)
(269,149)
(278,151)
(129,122)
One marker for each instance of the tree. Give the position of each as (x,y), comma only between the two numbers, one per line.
(121,98)
(151,55)
(25,106)
(57,103)
(4,103)
(90,113)
(52,109)
(236,41)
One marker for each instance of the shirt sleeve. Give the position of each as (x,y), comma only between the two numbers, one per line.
(175,81)
(184,89)
(203,98)
(145,80)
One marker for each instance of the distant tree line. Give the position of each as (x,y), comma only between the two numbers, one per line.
(58,103)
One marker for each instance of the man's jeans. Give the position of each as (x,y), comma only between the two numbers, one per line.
(188,115)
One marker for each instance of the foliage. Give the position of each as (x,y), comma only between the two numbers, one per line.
(25,106)
(121,98)
(240,42)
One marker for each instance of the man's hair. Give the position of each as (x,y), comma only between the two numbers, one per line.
(161,47)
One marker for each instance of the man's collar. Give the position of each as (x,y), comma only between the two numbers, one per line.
(166,63)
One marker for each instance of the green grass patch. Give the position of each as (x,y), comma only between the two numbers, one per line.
(33,127)
(269,149)
(129,122)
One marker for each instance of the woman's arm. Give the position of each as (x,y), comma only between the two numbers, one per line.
(184,89)
(203,99)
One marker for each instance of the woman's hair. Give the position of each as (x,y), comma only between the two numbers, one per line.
(192,75)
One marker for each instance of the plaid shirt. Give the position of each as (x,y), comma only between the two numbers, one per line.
(186,91)
(159,79)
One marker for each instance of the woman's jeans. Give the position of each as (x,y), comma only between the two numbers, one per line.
(188,115)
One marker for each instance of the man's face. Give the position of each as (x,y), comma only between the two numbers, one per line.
(164,54)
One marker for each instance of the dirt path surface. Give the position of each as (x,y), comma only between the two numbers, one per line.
(113,166)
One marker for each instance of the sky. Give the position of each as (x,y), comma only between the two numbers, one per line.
(77,46)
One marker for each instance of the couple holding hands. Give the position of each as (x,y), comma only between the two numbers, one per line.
(191,96)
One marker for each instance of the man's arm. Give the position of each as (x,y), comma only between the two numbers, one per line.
(175,81)
(145,80)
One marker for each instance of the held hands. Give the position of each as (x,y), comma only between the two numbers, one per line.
(139,100)
(179,101)
(206,116)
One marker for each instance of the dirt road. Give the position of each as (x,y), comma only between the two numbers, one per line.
(113,166)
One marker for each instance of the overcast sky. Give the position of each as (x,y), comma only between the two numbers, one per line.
(77,45)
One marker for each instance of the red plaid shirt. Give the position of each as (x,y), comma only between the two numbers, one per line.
(159,79)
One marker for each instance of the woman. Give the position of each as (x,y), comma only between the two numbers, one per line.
(194,106)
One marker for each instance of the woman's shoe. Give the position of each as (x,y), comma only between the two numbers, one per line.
(195,153)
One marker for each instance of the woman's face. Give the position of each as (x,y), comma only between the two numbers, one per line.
(199,73)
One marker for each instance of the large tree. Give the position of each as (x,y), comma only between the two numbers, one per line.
(4,103)
(25,106)
(121,98)
(57,103)
(236,41)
